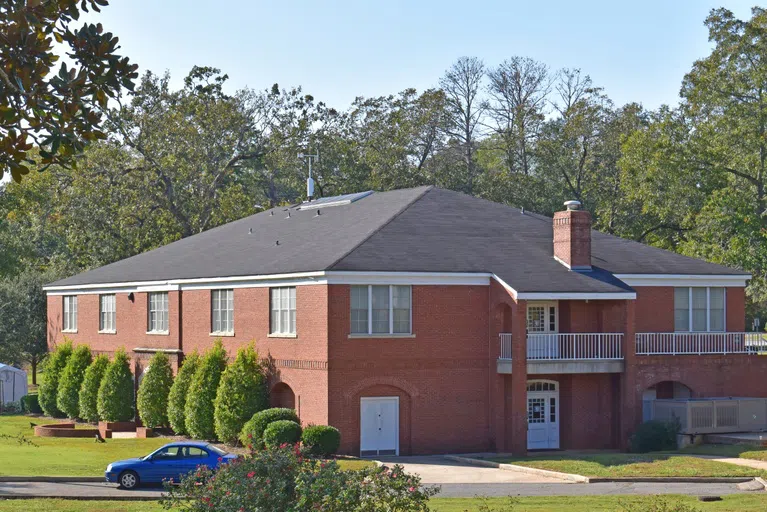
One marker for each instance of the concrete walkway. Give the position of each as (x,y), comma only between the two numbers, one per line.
(436,469)
(104,491)
(750,463)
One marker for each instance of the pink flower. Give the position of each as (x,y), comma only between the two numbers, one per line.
(412,489)
(251,474)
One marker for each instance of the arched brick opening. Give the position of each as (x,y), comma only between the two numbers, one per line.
(282,396)
(663,390)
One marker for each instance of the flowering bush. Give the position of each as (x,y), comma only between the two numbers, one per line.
(284,479)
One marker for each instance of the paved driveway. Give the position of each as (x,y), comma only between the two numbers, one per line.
(436,469)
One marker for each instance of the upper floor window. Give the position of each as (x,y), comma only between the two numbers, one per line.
(107,313)
(222,311)
(699,309)
(158,312)
(283,310)
(379,309)
(70,313)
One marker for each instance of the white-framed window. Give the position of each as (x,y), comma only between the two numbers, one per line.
(107,313)
(283,310)
(70,313)
(699,309)
(381,309)
(158,312)
(222,311)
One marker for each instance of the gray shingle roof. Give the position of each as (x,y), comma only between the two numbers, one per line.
(423,229)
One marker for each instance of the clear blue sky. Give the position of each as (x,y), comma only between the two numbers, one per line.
(336,50)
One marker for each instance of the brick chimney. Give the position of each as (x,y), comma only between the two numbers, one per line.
(572,237)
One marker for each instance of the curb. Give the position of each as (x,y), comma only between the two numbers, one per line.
(523,469)
(675,479)
(52,479)
(761,482)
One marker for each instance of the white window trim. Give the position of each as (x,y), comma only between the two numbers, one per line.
(221,333)
(708,308)
(166,332)
(391,333)
(64,314)
(113,330)
(281,334)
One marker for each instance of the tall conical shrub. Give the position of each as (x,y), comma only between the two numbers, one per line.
(178,393)
(89,390)
(241,393)
(49,389)
(68,397)
(115,399)
(152,399)
(202,393)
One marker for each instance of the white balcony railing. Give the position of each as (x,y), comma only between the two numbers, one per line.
(676,343)
(568,346)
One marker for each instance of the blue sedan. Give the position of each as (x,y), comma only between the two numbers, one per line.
(172,461)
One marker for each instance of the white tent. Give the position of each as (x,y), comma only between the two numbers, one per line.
(13,384)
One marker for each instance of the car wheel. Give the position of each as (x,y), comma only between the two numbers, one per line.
(128,480)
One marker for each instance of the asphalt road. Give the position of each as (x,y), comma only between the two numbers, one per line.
(99,490)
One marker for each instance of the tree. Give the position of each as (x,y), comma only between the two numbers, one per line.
(462,85)
(178,393)
(23,308)
(698,171)
(198,420)
(89,391)
(49,389)
(241,393)
(518,90)
(68,397)
(152,399)
(58,112)
(115,398)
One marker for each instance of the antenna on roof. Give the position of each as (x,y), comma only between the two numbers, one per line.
(309,181)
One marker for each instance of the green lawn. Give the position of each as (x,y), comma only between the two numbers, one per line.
(742,451)
(77,457)
(60,456)
(731,503)
(615,465)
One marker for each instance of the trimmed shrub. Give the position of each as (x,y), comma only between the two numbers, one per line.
(321,440)
(49,389)
(282,432)
(115,398)
(178,393)
(253,430)
(241,393)
(202,393)
(89,390)
(30,404)
(68,397)
(653,436)
(152,399)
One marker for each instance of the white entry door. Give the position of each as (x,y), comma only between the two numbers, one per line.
(379,425)
(542,320)
(542,415)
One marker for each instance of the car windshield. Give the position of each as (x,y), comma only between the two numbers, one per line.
(215,449)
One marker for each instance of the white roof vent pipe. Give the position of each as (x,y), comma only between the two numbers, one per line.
(309,181)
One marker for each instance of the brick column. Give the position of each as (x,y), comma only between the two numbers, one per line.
(497,401)
(518,413)
(629,402)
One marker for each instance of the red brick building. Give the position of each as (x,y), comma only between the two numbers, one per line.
(426,321)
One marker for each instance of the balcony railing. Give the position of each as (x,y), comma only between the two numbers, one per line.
(568,346)
(678,343)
